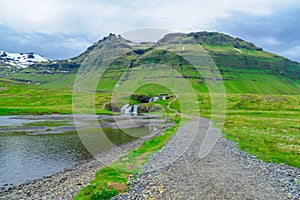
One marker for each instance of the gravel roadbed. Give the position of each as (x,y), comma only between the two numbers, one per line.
(225,173)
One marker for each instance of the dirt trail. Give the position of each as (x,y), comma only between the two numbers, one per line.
(226,173)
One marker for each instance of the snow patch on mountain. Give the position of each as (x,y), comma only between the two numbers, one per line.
(21,60)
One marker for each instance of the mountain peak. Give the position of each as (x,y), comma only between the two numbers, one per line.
(111,36)
(21,60)
(215,38)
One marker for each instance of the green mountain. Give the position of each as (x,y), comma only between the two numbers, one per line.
(245,68)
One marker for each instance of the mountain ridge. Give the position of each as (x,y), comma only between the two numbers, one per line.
(21,60)
(233,56)
(223,39)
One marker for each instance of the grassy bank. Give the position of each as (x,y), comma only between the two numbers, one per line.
(114,179)
(267,126)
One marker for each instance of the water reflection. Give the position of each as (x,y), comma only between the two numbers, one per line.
(27,156)
(24,157)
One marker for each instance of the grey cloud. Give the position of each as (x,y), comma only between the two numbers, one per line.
(53,46)
(278,32)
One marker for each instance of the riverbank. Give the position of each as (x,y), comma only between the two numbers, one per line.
(66,184)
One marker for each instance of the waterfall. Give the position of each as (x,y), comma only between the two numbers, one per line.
(135,109)
(126,109)
(155,98)
(152,99)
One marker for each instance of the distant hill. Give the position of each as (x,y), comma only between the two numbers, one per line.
(245,68)
(21,60)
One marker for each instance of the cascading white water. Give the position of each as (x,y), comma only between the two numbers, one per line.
(155,98)
(126,109)
(152,99)
(135,108)
(123,109)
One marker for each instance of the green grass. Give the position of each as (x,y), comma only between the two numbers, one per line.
(113,179)
(259,83)
(267,126)
(153,90)
(272,139)
(231,50)
(22,98)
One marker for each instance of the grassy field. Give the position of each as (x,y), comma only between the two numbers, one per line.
(267,126)
(22,98)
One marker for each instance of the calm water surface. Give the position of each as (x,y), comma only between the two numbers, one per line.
(26,157)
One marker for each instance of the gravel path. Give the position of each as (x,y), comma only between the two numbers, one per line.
(226,173)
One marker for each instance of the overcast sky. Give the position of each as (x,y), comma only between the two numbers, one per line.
(60,29)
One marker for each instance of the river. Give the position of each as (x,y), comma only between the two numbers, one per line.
(34,147)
